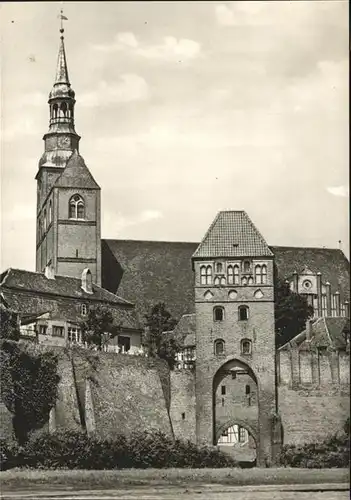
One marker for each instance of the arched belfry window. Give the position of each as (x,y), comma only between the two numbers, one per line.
(64,108)
(218,313)
(219,347)
(243,313)
(76,207)
(55,110)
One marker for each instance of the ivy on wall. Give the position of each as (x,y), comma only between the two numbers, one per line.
(29,385)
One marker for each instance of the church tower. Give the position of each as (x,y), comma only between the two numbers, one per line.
(235,343)
(68,197)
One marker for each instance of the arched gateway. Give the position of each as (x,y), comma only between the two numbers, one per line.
(235,350)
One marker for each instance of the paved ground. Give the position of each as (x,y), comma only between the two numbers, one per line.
(202,492)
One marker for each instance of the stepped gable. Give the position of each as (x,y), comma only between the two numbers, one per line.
(232,234)
(76,174)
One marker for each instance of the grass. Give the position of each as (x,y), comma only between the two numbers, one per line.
(20,478)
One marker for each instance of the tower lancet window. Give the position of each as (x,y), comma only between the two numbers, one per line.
(206,275)
(76,207)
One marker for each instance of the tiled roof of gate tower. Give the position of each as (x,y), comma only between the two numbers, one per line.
(233,234)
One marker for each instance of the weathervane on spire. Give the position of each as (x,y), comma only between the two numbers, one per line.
(62,18)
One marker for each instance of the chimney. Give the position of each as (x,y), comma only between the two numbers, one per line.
(49,272)
(309,329)
(319,294)
(295,282)
(87,282)
(347,309)
(337,304)
(329,298)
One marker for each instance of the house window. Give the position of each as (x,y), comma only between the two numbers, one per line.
(243,313)
(218,313)
(42,329)
(83,309)
(183,416)
(223,390)
(219,347)
(57,331)
(243,437)
(76,207)
(123,343)
(74,335)
(246,346)
(247,390)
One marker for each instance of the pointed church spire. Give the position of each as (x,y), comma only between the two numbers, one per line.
(61,70)
(61,139)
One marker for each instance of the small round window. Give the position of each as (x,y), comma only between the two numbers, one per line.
(307,284)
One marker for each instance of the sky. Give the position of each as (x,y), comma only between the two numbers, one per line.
(185,109)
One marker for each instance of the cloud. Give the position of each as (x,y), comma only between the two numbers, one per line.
(342,191)
(118,222)
(171,48)
(24,126)
(131,87)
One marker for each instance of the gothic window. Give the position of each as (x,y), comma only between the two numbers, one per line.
(218,313)
(76,207)
(50,212)
(243,312)
(217,281)
(264,274)
(219,347)
(246,347)
(230,276)
(203,275)
(246,266)
(219,267)
(55,110)
(258,275)
(236,275)
(44,221)
(223,281)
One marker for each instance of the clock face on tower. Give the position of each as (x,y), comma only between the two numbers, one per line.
(64,141)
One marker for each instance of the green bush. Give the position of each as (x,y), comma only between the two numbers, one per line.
(10,455)
(333,452)
(76,450)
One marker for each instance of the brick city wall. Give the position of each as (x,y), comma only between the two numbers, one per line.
(182,407)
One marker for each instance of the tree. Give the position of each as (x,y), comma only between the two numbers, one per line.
(99,327)
(9,327)
(156,342)
(291,312)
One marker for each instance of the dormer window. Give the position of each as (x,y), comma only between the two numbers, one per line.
(76,207)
